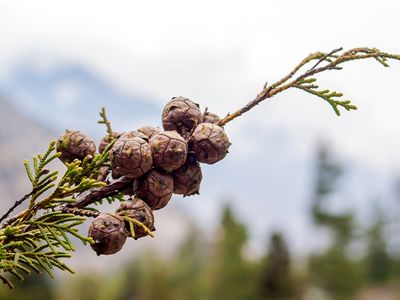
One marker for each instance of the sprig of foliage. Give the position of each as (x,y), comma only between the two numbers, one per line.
(41,177)
(132,222)
(39,244)
(331,97)
(78,177)
(104,120)
(306,81)
(37,238)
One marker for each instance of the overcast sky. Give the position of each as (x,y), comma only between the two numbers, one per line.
(220,53)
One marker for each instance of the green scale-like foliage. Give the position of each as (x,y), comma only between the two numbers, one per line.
(38,238)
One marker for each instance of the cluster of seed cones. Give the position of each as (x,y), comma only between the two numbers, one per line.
(160,163)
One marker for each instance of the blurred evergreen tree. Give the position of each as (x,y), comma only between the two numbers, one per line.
(232,276)
(276,281)
(333,270)
(34,287)
(146,278)
(155,284)
(187,269)
(379,263)
(130,281)
(341,225)
(87,286)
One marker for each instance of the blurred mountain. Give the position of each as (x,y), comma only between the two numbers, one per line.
(70,96)
(20,138)
(39,102)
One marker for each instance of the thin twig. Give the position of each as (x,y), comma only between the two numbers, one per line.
(285,83)
(104,120)
(93,195)
(20,201)
(80,212)
(86,198)
(326,56)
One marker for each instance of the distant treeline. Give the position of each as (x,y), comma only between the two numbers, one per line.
(356,264)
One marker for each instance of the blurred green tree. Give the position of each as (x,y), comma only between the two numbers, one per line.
(333,270)
(87,286)
(276,281)
(232,275)
(379,263)
(187,269)
(146,278)
(35,287)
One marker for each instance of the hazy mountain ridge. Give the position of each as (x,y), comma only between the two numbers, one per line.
(71,95)
(20,138)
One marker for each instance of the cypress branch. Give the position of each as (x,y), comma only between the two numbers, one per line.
(324,62)
(37,239)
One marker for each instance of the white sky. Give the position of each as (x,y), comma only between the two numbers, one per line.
(220,53)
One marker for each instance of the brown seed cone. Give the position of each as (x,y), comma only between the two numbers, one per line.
(130,156)
(130,134)
(105,141)
(182,115)
(209,143)
(149,131)
(187,179)
(108,232)
(209,117)
(155,188)
(74,144)
(138,210)
(103,173)
(169,150)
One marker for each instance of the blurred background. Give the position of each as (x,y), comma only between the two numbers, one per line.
(305,206)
